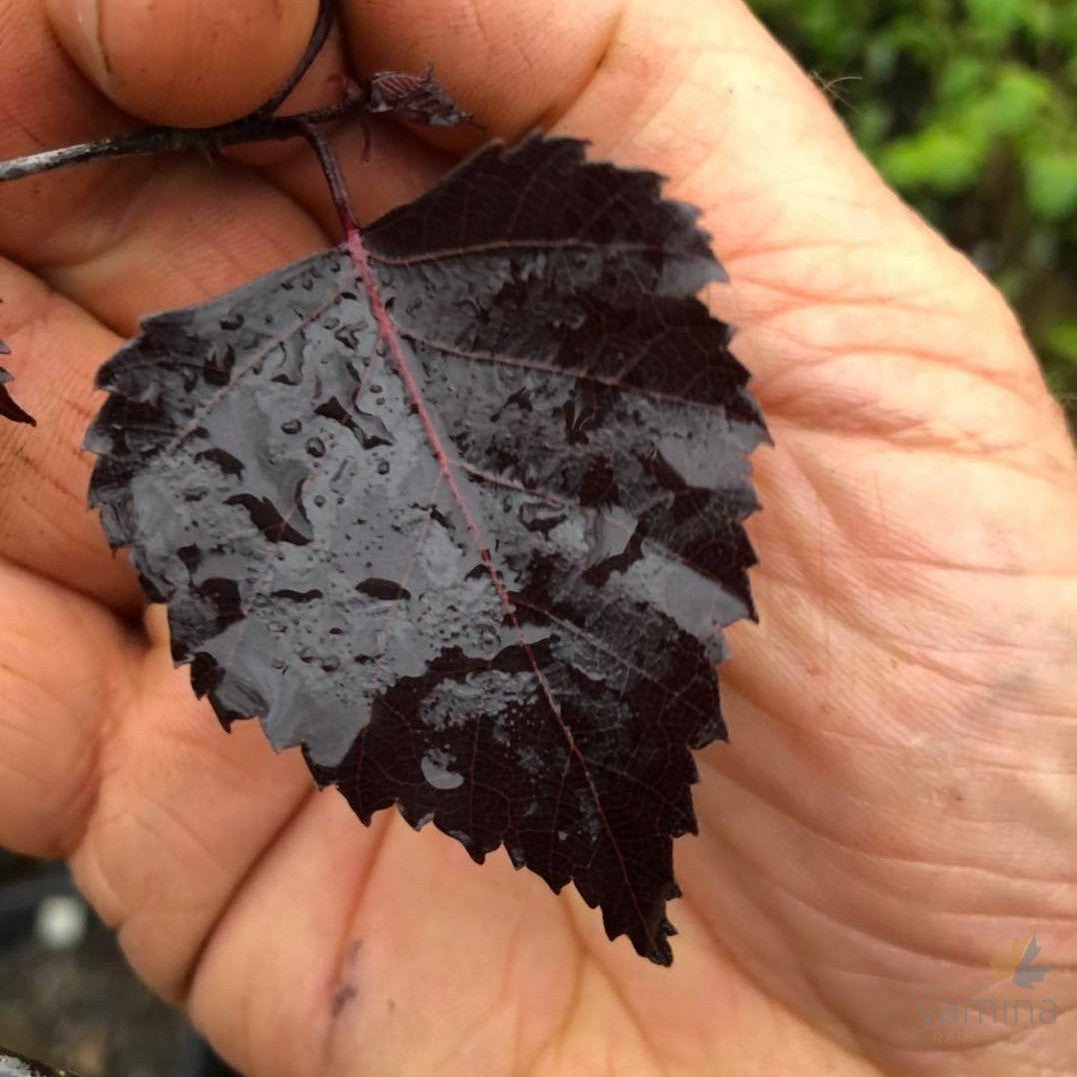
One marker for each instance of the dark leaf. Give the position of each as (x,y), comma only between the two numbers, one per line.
(414,98)
(8,408)
(478,563)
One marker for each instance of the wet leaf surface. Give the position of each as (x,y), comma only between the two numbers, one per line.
(469,535)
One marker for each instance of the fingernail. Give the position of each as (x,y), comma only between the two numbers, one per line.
(89,17)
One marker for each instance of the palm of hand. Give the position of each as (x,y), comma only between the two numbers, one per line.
(890,809)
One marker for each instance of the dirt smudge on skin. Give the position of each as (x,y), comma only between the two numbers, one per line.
(347,989)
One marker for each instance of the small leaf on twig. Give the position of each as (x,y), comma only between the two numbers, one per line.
(8,408)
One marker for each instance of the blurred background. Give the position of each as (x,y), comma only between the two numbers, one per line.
(67,997)
(969,109)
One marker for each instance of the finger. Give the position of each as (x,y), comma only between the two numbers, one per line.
(191,63)
(181,814)
(44,103)
(513,63)
(195,62)
(64,665)
(75,215)
(45,523)
(107,758)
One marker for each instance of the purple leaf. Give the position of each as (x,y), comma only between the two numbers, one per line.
(414,98)
(477,563)
(8,408)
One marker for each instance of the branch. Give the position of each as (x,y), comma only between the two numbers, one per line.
(259,126)
(322,25)
(153,140)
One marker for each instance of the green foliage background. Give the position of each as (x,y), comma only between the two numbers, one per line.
(969,109)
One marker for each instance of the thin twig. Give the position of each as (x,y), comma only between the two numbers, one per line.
(322,25)
(153,140)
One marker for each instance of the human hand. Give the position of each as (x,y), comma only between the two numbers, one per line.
(897,801)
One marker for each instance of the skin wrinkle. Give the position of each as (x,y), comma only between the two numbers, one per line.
(915,903)
(41,307)
(907,652)
(559,1031)
(237,889)
(985,570)
(121,691)
(822,993)
(814,827)
(899,425)
(843,922)
(619,993)
(551,117)
(897,750)
(466,1038)
(844,845)
(109,747)
(838,1032)
(109,686)
(30,506)
(343,967)
(746,957)
(180,988)
(150,197)
(799,300)
(513,971)
(64,816)
(689,921)
(615,996)
(803,299)
(46,477)
(82,535)
(1017,1033)
(123,209)
(1025,385)
(12,118)
(826,498)
(80,223)
(605,56)
(474,12)
(1046,466)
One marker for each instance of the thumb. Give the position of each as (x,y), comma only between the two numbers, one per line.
(179,62)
